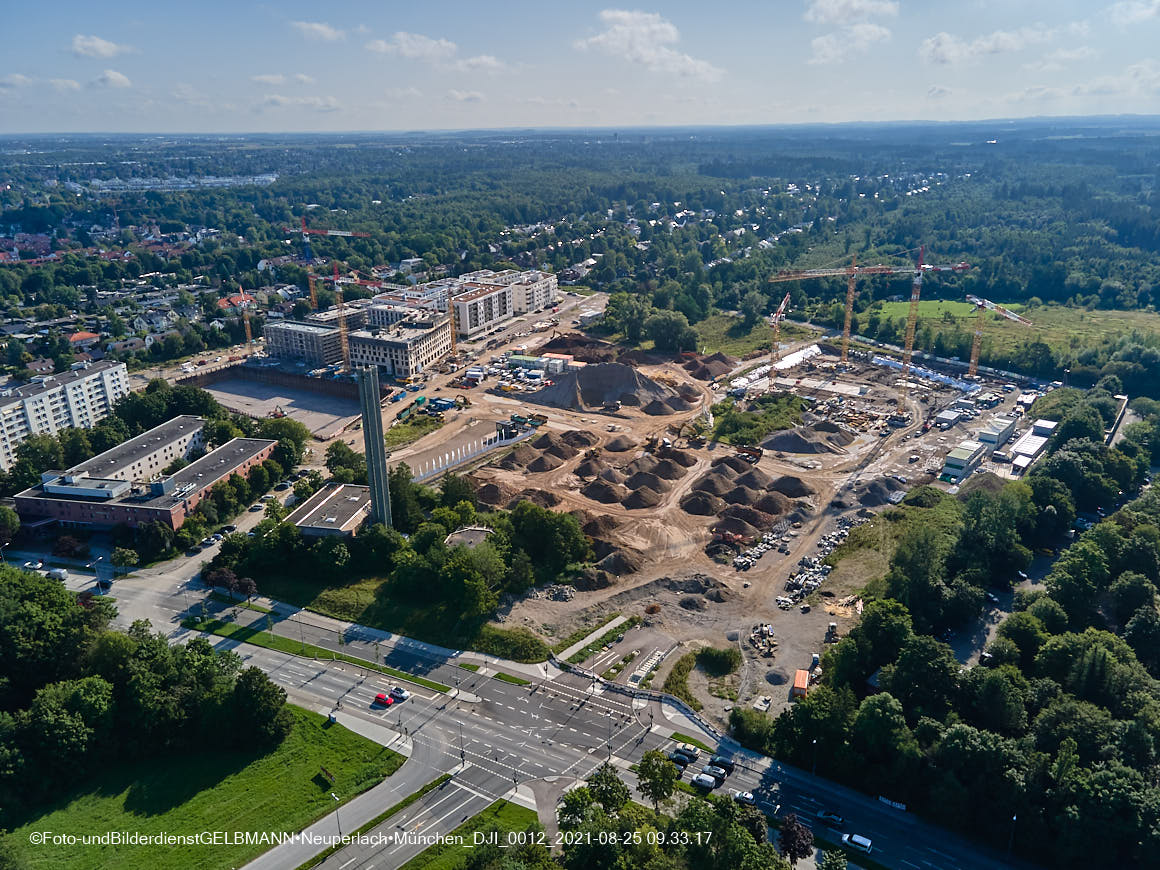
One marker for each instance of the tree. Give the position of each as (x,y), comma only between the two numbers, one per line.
(752,306)
(608,788)
(670,330)
(576,807)
(454,488)
(259,708)
(123,557)
(832,859)
(9,524)
(795,839)
(657,777)
(1129,593)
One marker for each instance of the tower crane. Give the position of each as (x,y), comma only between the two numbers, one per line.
(306,234)
(852,273)
(246,323)
(983,306)
(343,340)
(775,348)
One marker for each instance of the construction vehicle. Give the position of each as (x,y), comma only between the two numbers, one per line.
(536,420)
(462,401)
(277,413)
(983,306)
(750,454)
(852,273)
(404,414)
(612,407)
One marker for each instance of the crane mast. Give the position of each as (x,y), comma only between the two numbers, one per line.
(775,347)
(983,306)
(911,323)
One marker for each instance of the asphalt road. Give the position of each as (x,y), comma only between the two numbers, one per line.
(496,738)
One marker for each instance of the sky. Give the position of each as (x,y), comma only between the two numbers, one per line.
(213,66)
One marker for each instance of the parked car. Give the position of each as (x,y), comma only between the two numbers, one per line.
(254,508)
(382,700)
(679,758)
(33,565)
(858,842)
(831,819)
(703,780)
(726,764)
(400,694)
(745,797)
(688,749)
(283,486)
(229,530)
(715,772)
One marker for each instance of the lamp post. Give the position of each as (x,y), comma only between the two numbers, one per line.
(815,768)
(337,820)
(3,547)
(1011,840)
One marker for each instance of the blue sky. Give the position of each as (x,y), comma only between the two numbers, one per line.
(124,65)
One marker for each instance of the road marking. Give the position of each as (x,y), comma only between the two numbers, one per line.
(350,861)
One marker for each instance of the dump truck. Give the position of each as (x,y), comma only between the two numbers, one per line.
(536,420)
(404,414)
(519,419)
(750,454)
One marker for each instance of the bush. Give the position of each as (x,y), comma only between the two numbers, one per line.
(677,682)
(517,644)
(718,662)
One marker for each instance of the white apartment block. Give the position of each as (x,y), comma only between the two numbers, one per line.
(80,398)
(404,348)
(312,343)
(534,291)
(481,308)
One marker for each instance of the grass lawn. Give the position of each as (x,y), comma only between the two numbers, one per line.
(260,637)
(872,545)
(604,639)
(502,815)
(726,333)
(236,602)
(412,430)
(581,633)
(1059,327)
(685,738)
(282,790)
(515,681)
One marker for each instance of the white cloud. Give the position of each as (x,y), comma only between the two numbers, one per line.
(856,39)
(1137,80)
(65,84)
(465,96)
(318,104)
(94,46)
(110,78)
(646,38)
(481,63)
(14,80)
(402,93)
(303,78)
(552,101)
(415,46)
(318,30)
(1134,11)
(846,11)
(186,93)
(1061,57)
(937,92)
(269,79)
(944,48)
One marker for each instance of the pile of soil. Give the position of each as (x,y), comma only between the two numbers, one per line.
(520,457)
(681,457)
(492,494)
(540,497)
(736,526)
(582,348)
(613,475)
(713,483)
(755,478)
(621,562)
(874,493)
(820,437)
(792,486)
(742,495)
(636,358)
(590,468)
(647,479)
(678,403)
(596,385)
(604,492)
(701,504)
(592,579)
(708,368)
(774,503)
(644,497)
(756,518)
(669,470)
(579,438)
(547,462)
(554,445)
(642,463)
(657,408)
(734,463)
(620,444)
(600,525)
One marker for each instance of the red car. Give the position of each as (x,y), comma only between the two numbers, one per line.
(382,700)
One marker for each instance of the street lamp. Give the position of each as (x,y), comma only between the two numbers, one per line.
(815,770)
(3,547)
(337,820)
(1011,841)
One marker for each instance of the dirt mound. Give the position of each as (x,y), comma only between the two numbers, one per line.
(604,492)
(621,562)
(742,495)
(540,497)
(701,504)
(734,463)
(636,358)
(590,468)
(600,525)
(774,503)
(678,403)
(708,368)
(492,494)
(736,526)
(645,478)
(579,438)
(873,493)
(598,384)
(613,475)
(581,347)
(644,497)
(520,457)
(792,486)
(712,483)
(755,478)
(757,519)
(554,445)
(620,444)
(819,437)
(547,462)
(642,463)
(669,470)
(657,408)
(683,457)
(592,579)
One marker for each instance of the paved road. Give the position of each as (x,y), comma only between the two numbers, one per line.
(498,739)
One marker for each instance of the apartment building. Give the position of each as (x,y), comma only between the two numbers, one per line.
(479,308)
(312,343)
(354,312)
(80,398)
(534,291)
(404,348)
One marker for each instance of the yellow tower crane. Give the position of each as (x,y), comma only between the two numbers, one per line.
(982,306)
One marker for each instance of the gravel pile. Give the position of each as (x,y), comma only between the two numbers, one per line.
(774,503)
(591,468)
(681,457)
(713,483)
(701,504)
(620,444)
(604,492)
(742,495)
(579,438)
(596,385)
(792,486)
(621,562)
(657,408)
(547,462)
(520,457)
(669,470)
(642,498)
(645,478)
(820,437)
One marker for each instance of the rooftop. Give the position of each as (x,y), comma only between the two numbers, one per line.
(116,459)
(52,382)
(332,507)
(308,328)
(477,291)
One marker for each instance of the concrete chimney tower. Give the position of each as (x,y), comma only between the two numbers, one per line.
(372,425)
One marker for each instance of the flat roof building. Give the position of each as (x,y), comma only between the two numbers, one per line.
(405,348)
(312,343)
(127,485)
(79,399)
(961,461)
(998,431)
(481,308)
(336,509)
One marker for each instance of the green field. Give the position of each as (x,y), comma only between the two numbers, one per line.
(282,790)
(1057,326)
(724,333)
(412,430)
(501,815)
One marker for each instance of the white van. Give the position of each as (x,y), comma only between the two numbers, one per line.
(58,573)
(857,841)
(703,780)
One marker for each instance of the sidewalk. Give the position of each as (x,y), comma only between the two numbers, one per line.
(596,635)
